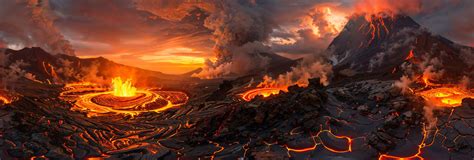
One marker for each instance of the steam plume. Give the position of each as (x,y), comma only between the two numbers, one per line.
(314,67)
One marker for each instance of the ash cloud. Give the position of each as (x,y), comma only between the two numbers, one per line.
(241,30)
(27,23)
(238,28)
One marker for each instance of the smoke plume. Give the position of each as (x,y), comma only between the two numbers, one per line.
(374,7)
(31,26)
(240,28)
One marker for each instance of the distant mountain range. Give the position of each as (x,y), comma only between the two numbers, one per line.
(64,68)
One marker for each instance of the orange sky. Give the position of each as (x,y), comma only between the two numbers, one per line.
(172,36)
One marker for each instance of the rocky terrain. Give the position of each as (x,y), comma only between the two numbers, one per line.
(360,120)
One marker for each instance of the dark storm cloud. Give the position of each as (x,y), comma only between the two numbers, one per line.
(25,23)
(450,18)
(117,26)
(135,28)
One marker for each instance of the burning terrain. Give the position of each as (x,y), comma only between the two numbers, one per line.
(395,93)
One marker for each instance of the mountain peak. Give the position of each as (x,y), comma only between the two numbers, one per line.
(380,44)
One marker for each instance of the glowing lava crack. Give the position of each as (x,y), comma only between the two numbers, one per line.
(124,99)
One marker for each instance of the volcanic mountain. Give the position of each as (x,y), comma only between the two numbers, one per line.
(380,46)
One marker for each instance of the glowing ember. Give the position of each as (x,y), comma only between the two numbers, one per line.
(265,92)
(5,100)
(123,88)
(410,55)
(445,96)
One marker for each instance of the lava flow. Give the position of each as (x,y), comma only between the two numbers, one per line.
(265,92)
(123,99)
(376,25)
(445,96)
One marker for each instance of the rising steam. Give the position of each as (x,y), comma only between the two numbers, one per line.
(314,67)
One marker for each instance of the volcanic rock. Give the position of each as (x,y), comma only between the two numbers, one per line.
(468,102)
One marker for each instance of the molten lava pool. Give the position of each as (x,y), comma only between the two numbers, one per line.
(265,92)
(445,96)
(123,99)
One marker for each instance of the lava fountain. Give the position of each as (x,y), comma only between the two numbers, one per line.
(123,98)
(123,88)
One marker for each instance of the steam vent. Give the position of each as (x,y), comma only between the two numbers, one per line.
(237,79)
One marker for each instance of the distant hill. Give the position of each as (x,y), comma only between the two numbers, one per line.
(63,68)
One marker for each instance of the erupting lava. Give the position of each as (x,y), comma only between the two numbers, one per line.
(123,99)
(445,96)
(123,88)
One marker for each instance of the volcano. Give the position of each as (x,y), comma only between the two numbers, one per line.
(381,46)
